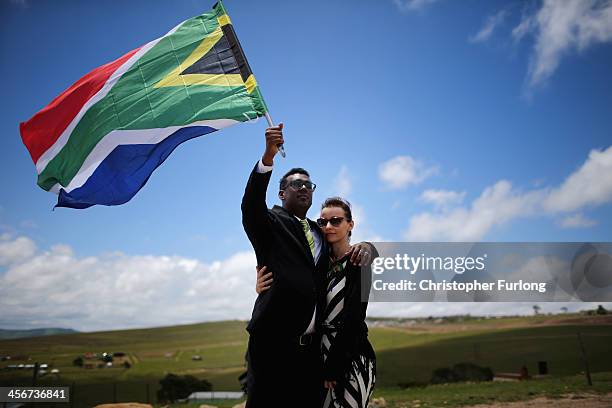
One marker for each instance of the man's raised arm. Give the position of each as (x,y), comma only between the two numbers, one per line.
(254,208)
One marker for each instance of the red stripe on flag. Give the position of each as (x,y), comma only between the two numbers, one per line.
(45,127)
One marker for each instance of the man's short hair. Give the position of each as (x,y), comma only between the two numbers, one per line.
(295,170)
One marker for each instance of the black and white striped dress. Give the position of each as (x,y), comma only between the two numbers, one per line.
(355,388)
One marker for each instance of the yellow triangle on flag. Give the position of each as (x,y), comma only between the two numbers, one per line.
(177,77)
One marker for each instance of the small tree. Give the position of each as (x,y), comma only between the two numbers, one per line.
(78,362)
(175,387)
(536,309)
(564,309)
(601,310)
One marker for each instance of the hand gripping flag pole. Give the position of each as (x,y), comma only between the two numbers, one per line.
(281,149)
(245,69)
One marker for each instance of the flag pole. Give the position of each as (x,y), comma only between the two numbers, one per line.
(281,149)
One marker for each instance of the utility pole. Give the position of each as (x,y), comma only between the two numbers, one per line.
(587,371)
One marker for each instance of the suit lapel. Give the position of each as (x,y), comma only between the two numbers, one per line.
(295,231)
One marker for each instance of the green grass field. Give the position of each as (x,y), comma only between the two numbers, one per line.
(406,354)
(466,394)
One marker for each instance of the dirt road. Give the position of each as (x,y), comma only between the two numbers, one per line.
(567,401)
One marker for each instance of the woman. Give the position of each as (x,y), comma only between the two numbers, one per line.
(349,362)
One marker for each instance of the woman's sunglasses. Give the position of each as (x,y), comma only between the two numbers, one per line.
(334,221)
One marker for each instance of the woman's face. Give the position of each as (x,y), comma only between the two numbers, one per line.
(335,234)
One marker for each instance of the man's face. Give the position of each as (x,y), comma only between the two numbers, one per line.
(296,197)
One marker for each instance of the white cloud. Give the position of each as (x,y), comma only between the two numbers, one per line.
(526,25)
(362,231)
(442,199)
(28,224)
(342,183)
(342,188)
(491,23)
(13,251)
(413,5)
(495,206)
(577,221)
(109,291)
(561,27)
(402,171)
(590,185)
(58,288)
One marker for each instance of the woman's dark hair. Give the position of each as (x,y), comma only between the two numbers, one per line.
(341,203)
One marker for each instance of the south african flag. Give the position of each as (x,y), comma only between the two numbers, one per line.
(101,139)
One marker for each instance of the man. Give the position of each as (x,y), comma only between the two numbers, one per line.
(284,359)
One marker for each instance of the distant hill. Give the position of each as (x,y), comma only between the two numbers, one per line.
(18,334)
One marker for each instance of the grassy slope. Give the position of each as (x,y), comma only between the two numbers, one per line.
(408,359)
(465,394)
(221,346)
(405,354)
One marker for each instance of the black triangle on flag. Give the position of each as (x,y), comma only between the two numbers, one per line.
(218,60)
(225,57)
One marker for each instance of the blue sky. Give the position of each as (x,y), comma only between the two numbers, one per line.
(438,120)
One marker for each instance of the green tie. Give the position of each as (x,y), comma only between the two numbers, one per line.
(309,236)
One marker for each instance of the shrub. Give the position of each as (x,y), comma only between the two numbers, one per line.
(175,387)
(443,375)
(472,372)
(461,372)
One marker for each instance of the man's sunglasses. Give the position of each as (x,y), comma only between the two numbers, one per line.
(298,184)
(334,221)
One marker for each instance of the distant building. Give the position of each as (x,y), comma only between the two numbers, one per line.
(213,395)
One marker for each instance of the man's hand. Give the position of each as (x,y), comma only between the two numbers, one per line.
(329,384)
(274,138)
(264,280)
(361,254)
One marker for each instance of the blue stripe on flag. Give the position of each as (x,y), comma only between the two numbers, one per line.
(126,170)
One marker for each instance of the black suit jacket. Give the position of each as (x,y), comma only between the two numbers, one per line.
(280,244)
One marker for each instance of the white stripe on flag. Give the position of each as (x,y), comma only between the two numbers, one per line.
(129,137)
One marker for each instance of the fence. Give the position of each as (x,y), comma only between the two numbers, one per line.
(87,395)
